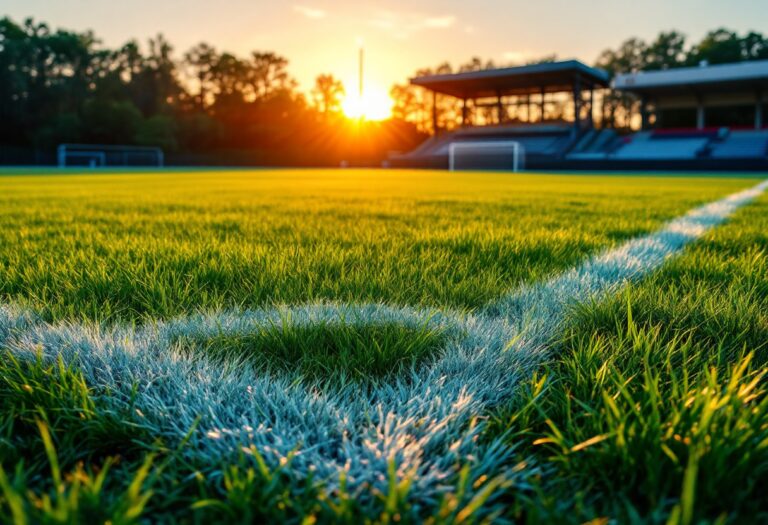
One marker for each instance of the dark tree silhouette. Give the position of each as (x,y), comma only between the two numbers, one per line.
(327,95)
(209,107)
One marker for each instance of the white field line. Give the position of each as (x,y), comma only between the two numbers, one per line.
(424,420)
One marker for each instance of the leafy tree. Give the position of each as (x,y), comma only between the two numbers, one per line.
(755,46)
(718,47)
(160,77)
(268,75)
(328,94)
(229,79)
(475,64)
(64,127)
(629,57)
(546,59)
(159,131)
(667,51)
(14,81)
(63,86)
(110,122)
(201,61)
(723,46)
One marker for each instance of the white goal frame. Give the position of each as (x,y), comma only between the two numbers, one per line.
(517,151)
(102,155)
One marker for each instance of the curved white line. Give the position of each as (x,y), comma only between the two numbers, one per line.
(424,420)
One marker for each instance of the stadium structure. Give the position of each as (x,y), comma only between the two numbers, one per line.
(708,117)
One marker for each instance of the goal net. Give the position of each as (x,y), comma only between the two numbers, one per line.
(100,156)
(508,155)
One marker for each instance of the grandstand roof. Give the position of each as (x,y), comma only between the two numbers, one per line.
(702,78)
(552,77)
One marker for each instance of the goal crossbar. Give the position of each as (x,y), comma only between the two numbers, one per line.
(517,150)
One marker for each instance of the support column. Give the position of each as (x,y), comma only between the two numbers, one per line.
(577,105)
(543,101)
(528,115)
(643,114)
(592,107)
(463,112)
(434,113)
(701,117)
(759,111)
(499,108)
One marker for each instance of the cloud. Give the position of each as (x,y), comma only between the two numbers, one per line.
(383,22)
(440,22)
(309,12)
(517,57)
(402,25)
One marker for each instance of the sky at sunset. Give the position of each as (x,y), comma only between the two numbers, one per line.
(319,36)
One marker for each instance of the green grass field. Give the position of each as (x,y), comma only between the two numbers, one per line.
(126,247)
(650,406)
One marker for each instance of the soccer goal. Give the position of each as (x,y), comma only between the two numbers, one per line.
(496,155)
(100,156)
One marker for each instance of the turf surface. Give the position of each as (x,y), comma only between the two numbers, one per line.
(656,408)
(653,411)
(130,247)
(335,352)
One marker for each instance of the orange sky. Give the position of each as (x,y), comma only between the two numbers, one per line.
(400,36)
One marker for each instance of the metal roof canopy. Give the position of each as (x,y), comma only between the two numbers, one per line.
(551,77)
(723,77)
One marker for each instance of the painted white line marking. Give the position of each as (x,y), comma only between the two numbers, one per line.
(422,420)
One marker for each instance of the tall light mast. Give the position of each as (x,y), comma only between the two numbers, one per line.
(361,58)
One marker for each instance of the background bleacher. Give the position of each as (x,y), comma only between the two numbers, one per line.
(554,142)
(720,143)
(741,144)
(538,141)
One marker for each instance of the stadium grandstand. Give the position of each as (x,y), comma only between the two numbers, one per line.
(708,117)
(518,104)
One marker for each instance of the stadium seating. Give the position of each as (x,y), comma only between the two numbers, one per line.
(648,145)
(538,141)
(545,143)
(741,145)
(594,145)
(720,143)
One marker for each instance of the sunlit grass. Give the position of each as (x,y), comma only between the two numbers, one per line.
(131,247)
(656,407)
(652,410)
(82,495)
(323,352)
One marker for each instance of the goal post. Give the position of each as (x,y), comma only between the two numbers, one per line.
(496,154)
(101,156)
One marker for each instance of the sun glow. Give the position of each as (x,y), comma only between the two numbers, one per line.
(374,105)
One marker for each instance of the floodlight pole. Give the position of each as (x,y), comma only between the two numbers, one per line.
(361,59)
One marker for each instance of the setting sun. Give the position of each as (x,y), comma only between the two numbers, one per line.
(375,104)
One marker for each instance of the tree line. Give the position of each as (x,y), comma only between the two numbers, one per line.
(210,106)
(206,106)
(670,49)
